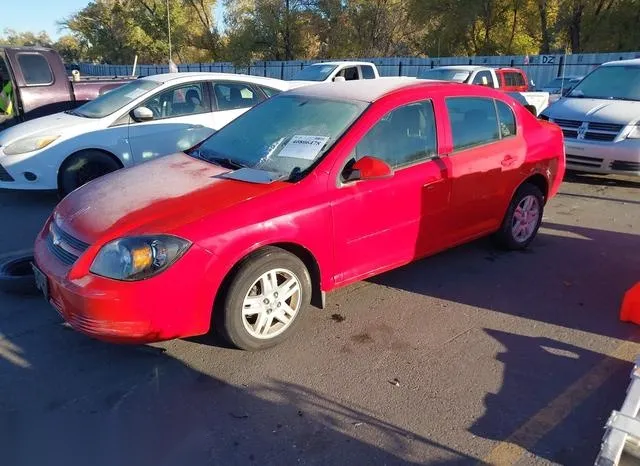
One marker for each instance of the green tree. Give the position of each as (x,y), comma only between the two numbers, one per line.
(15,38)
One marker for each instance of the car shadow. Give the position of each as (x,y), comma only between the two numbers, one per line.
(570,276)
(68,400)
(554,399)
(599,180)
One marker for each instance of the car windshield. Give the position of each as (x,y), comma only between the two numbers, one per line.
(314,73)
(618,82)
(558,82)
(284,135)
(442,74)
(114,100)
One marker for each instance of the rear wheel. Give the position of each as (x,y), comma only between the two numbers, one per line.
(523,218)
(83,167)
(265,301)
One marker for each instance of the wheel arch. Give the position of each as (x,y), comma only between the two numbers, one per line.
(301,252)
(90,149)
(540,182)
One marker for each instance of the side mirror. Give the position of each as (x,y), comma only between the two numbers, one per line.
(368,168)
(142,114)
(338,79)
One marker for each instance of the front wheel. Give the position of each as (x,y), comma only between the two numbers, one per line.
(83,167)
(265,301)
(523,218)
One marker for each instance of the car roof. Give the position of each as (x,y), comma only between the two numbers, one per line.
(195,75)
(339,62)
(461,67)
(635,61)
(368,90)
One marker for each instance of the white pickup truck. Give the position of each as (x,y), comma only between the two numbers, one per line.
(335,71)
(511,80)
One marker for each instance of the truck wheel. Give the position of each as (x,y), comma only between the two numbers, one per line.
(265,301)
(523,218)
(83,167)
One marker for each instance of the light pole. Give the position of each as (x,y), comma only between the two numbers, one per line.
(169,31)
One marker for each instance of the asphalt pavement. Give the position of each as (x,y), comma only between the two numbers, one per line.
(474,355)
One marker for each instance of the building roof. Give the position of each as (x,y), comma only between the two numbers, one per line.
(366,90)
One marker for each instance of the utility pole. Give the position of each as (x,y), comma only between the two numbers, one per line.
(169,31)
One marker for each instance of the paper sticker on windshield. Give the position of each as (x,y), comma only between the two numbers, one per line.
(134,94)
(304,147)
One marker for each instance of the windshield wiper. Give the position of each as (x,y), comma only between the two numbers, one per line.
(225,162)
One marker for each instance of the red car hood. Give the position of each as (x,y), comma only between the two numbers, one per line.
(154,197)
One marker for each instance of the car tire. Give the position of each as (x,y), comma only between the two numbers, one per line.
(83,167)
(269,317)
(16,274)
(523,218)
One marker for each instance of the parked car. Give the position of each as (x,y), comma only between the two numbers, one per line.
(40,84)
(336,70)
(501,78)
(600,119)
(147,118)
(560,86)
(312,190)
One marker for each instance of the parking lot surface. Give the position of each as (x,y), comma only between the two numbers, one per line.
(474,355)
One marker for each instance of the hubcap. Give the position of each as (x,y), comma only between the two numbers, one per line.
(271,304)
(525,218)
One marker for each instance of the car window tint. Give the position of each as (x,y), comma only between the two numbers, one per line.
(403,136)
(232,96)
(189,99)
(367,72)
(35,69)
(506,119)
(473,121)
(269,91)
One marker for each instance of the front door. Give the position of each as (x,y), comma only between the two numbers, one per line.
(483,150)
(182,118)
(383,223)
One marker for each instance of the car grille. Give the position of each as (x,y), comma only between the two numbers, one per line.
(584,161)
(4,174)
(625,166)
(64,246)
(603,132)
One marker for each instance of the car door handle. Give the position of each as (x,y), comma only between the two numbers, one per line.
(508,160)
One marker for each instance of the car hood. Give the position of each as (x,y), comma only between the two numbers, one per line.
(154,197)
(55,124)
(620,112)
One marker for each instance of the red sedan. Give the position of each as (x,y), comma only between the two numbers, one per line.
(311,190)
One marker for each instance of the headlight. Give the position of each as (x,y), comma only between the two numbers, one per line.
(635,132)
(139,257)
(29,144)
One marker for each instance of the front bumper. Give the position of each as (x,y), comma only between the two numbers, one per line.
(30,171)
(621,158)
(175,303)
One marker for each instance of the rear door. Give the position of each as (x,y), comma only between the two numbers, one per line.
(487,150)
(182,118)
(231,99)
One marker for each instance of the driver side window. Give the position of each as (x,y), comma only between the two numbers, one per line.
(402,137)
(189,99)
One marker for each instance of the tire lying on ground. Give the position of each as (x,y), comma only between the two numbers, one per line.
(16,274)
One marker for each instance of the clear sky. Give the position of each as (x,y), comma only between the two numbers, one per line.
(41,15)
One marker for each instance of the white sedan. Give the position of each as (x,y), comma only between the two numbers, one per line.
(147,118)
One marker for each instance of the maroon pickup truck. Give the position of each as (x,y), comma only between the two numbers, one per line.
(40,84)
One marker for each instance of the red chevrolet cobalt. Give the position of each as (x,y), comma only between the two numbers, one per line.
(311,190)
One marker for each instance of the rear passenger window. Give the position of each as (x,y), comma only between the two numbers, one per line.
(35,69)
(367,72)
(402,137)
(473,121)
(231,96)
(506,119)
